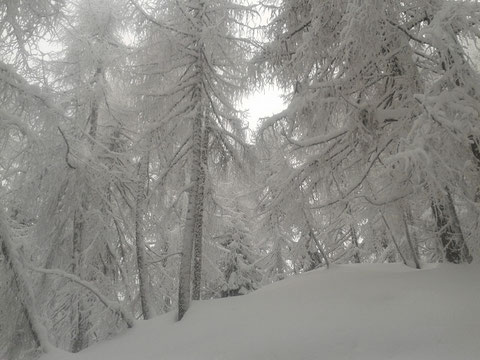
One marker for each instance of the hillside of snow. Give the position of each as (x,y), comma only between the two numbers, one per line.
(368,311)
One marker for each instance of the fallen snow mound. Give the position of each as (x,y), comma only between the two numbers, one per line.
(361,312)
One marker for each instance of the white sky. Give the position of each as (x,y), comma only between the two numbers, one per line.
(262,103)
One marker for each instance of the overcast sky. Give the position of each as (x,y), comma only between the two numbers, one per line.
(261,104)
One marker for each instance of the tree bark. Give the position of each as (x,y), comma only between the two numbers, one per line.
(140,210)
(80,338)
(394,240)
(449,231)
(411,244)
(474,146)
(198,239)
(192,233)
(193,226)
(354,237)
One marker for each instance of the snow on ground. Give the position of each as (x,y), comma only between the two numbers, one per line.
(369,311)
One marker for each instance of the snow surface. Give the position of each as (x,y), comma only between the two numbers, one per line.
(368,311)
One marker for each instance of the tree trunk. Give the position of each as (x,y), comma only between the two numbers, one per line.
(80,340)
(93,117)
(198,240)
(449,231)
(474,146)
(80,337)
(386,250)
(354,237)
(311,232)
(412,244)
(193,227)
(140,210)
(314,256)
(394,240)
(192,233)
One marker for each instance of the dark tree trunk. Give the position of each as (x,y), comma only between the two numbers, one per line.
(449,231)
(354,237)
(198,240)
(193,225)
(140,210)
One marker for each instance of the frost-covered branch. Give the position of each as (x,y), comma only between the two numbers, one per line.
(25,292)
(112,305)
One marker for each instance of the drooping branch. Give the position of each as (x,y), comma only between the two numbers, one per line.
(112,305)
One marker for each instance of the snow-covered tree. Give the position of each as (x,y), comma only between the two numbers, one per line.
(204,71)
(81,224)
(382,99)
(231,244)
(26,110)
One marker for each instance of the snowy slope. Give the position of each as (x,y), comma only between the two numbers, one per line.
(356,312)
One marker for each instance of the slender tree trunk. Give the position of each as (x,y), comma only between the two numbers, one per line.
(93,117)
(474,145)
(143,276)
(315,257)
(319,247)
(392,235)
(354,237)
(353,232)
(80,338)
(411,244)
(279,266)
(198,240)
(311,232)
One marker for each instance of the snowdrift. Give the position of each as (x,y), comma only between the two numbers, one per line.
(368,311)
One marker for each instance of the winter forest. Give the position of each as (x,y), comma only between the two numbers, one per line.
(131,183)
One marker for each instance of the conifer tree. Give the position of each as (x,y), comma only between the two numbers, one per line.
(373,113)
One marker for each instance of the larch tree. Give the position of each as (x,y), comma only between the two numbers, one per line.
(81,221)
(214,40)
(374,119)
(162,151)
(205,72)
(26,109)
